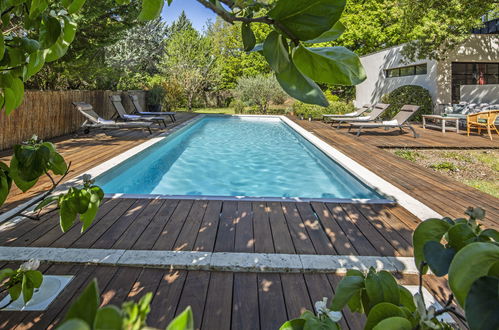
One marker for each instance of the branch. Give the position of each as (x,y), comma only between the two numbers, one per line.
(45,195)
(226,16)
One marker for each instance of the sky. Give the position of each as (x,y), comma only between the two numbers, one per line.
(196,12)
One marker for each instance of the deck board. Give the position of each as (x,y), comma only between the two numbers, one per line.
(291,227)
(220,300)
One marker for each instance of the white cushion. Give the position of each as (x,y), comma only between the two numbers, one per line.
(105,121)
(392,122)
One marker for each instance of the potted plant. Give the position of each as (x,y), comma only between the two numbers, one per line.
(155,97)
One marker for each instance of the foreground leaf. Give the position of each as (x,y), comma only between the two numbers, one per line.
(347,288)
(85,307)
(331,35)
(185,321)
(296,324)
(428,230)
(470,263)
(438,257)
(482,303)
(380,312)
(151,9)
(307,20)
(394,323)
(108,318)
(331,65)
(249,39)
(300,86)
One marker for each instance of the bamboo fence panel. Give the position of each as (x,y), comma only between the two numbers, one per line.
(50,114)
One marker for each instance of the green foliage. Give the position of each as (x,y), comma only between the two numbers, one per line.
(85,313)
(315,112)
(259,91)
(408,94)
(23,280)
(410,155)
(35,158)
(155,95)
(188,64)
(90,61)
(445,166)
(33,32)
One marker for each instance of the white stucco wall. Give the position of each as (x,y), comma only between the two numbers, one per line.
(376,85)
(479,48)
(438,80)
(480,94)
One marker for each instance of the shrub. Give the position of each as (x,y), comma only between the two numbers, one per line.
(258,91)
(408,154)
(445,166)
(315,112)
(409,94)
(238,106)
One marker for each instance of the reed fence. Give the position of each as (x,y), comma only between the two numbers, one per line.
(50,114)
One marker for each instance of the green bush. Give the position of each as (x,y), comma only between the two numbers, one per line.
(409,94)
(259,91)
(315,112)
(238,106)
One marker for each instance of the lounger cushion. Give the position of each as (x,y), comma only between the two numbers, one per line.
(105,121)
(392,122)
(132,117)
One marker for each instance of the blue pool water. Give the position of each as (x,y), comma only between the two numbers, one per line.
(235,156)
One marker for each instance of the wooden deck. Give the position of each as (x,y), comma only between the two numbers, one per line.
(215,226)
(444,195)
(428,139)
(220,300)
(226,300)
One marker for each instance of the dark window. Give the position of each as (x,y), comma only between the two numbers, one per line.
(407,71)
(472,74)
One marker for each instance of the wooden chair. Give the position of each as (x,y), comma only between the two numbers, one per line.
(483,120)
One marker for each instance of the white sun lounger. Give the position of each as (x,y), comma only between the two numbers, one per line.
(356,113)
(376,112)
(399,121)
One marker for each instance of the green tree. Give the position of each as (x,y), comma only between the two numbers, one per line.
(259,90)
(100,24)
(136,57)
(189,63)
(232,62)
(437,27)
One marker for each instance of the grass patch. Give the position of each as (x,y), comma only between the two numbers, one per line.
(408,154)
(489,159)
(445,166)
(457,156)
(225,111)
(489,187)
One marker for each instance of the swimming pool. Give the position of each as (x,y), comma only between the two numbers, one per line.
(235,156)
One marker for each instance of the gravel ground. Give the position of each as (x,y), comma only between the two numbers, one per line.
(476,168)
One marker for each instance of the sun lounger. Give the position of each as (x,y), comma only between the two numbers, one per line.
(356,113)
(376,112)
(399,121)
(138,109)
(94,121)
(120,110)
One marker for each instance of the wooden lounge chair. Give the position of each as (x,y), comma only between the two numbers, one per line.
(399,121)
(356,113)
(376,112)
(123,115)
(483,120)
(94,121)
(138,109)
